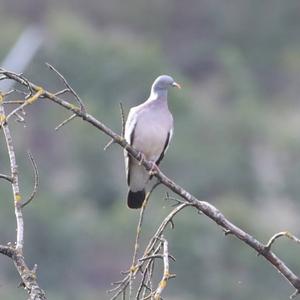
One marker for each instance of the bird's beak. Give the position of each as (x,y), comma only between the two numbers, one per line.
(175,84)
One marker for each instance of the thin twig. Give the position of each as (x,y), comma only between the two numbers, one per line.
(65,122)
(5,94)
(151,250)
(26,83)
(122,118)
(7,250)
(147,276)
(166,273)
(6,177)
(138,234)
(20,118)
(112,141)
(82,107)
(278,235)
(176,200)
(295,294)
(64,91)
(156,256)
(15,179)
(14,102)
(28,101)
(162,227)
(150,276)
(124,286)
(36,180)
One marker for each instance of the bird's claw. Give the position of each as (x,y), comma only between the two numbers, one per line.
(154,169)
(142,158)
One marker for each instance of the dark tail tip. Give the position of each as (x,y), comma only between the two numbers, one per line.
(136,199)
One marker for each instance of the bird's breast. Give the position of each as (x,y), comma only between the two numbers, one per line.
(150,137)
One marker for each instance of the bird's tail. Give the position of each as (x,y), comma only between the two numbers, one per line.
(136,199)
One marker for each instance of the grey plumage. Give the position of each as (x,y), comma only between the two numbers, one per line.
(149,129)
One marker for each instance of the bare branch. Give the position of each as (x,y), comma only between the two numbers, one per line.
(166,275)
(8,93)
(65,122)
(7,250)
(69,88)
(36,180)
(112,141)
(16,253)
(14,102)
(295,294)
(206,208)
(278,235)
(138,234)
(19,118)
(28,101)
(64,91)
(141,218)
(156,256)
(150,254)
(29,277)
(15,179)
(6,177)
(122,118)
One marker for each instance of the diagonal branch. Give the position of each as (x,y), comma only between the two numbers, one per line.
(206,208)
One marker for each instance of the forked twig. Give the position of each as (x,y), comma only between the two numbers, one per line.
(138,235)
(69,88)
(28,101)
(152,250)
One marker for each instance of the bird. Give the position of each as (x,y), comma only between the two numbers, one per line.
(149,129)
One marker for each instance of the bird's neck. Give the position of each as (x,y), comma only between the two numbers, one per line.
(158,95)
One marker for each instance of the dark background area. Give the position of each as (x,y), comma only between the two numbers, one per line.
(236,141)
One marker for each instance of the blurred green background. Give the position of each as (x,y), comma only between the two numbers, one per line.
(236,142)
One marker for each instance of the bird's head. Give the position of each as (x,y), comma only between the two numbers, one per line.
(163,82)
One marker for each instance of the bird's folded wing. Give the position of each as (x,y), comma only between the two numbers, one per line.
(129,137)
(166,146)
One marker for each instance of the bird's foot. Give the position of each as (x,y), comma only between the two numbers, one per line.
(142,158)
(154,169)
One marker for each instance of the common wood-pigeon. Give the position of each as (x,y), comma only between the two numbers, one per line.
(149,129)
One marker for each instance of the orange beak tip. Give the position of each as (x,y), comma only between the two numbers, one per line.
(175,84)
